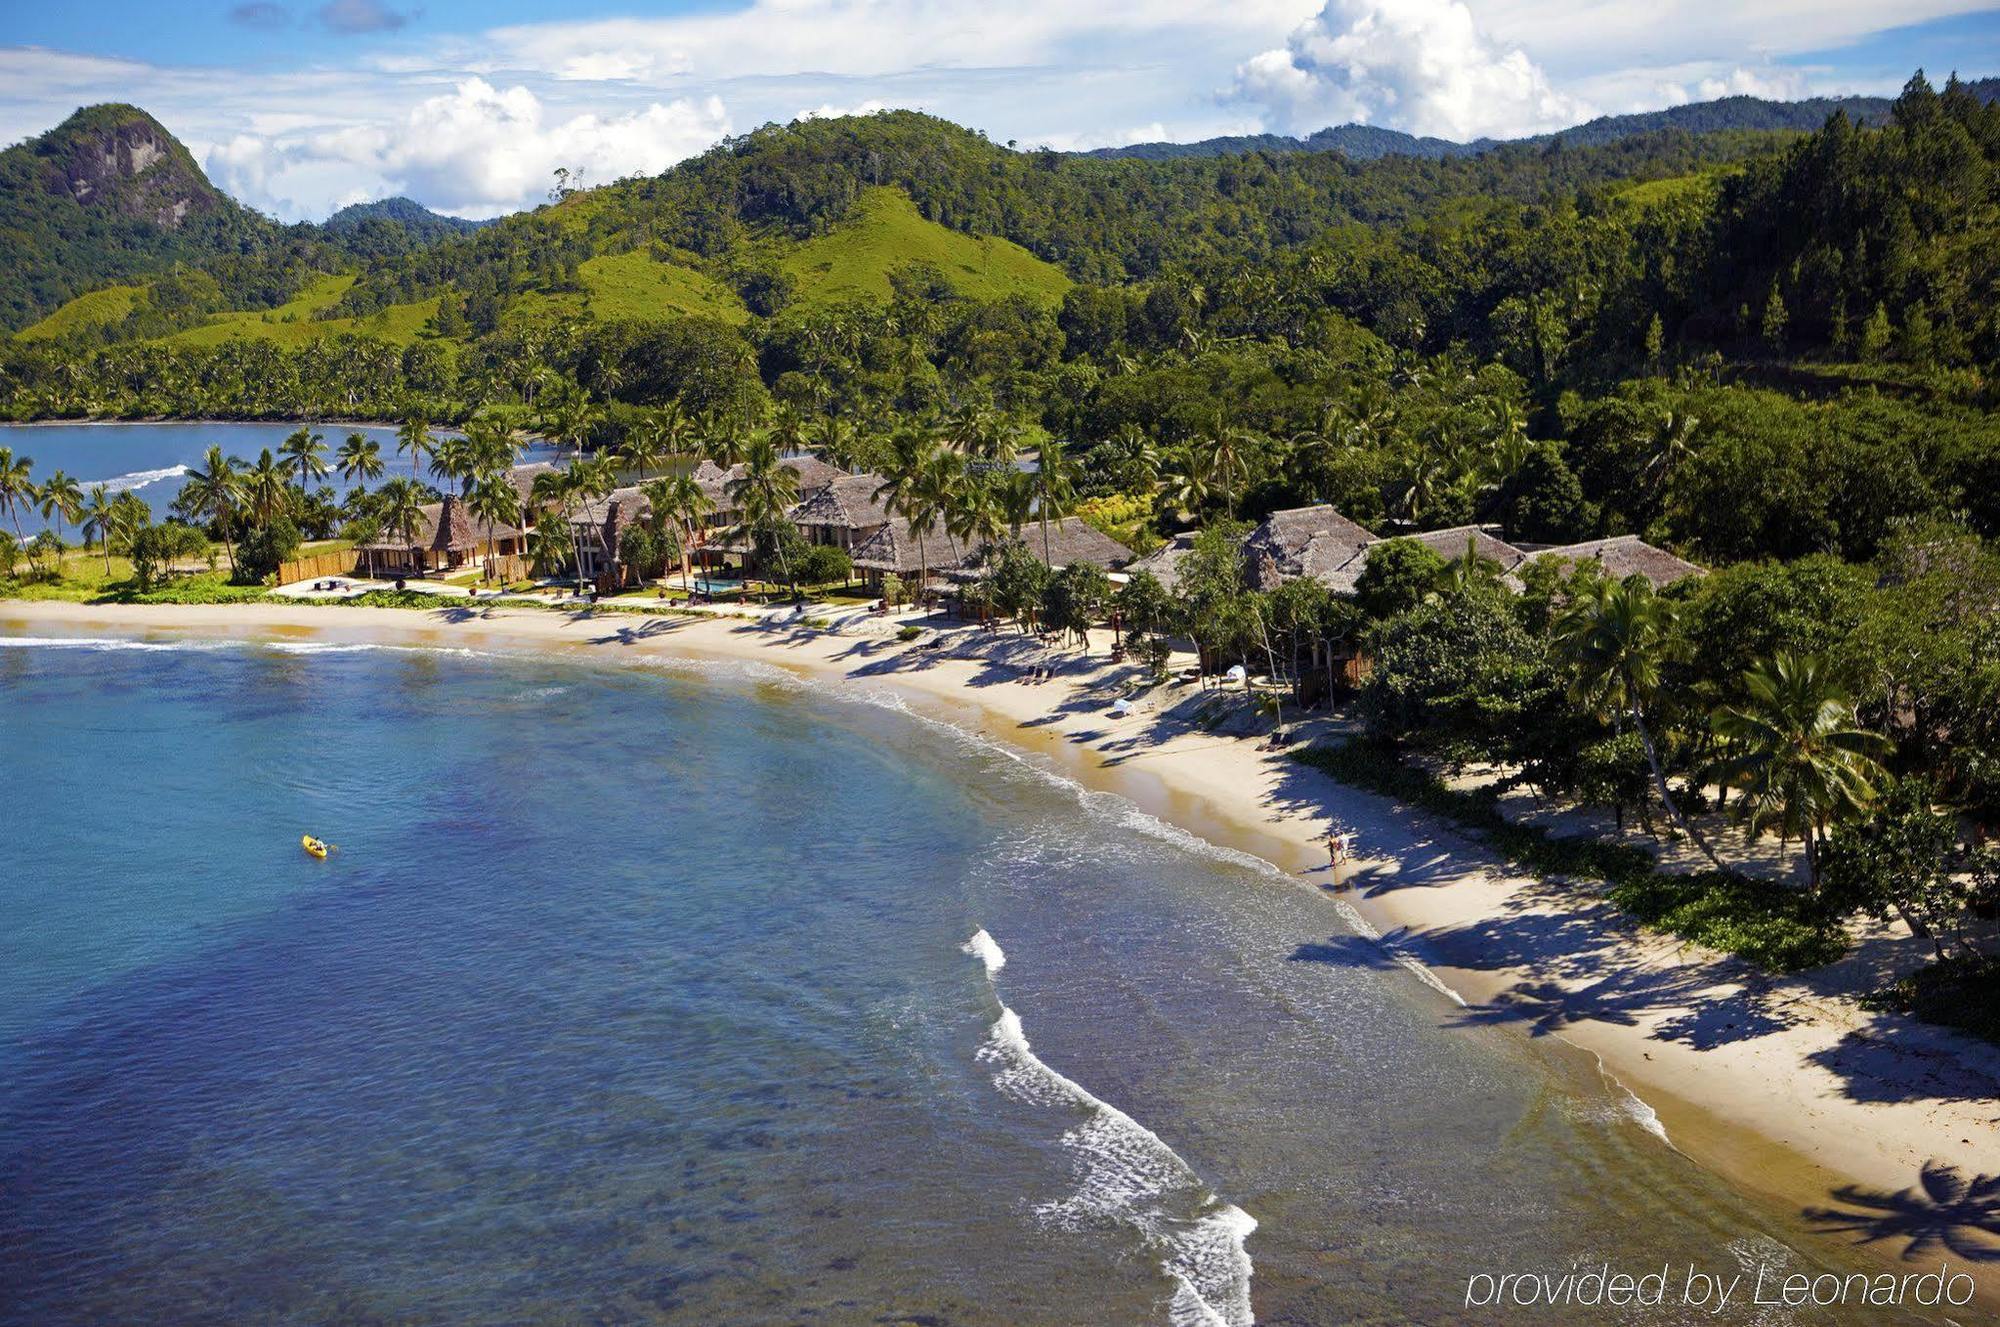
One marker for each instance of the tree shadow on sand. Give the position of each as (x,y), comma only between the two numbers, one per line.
(1944,1210)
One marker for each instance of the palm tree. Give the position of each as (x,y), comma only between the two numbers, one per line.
(554,493)
(305,456)
(765,492)
(402,507)
(588,481)
(215,491)
(100,512)
(1227,462)
(414,437)
(648,444)
(1184,487)
(265,492)
(1669,442)
(60,499)
(788,430)
(16,487)
(492,501)
(360,458)
(1802,762)
(1014,492)
(1616,640)
(493,446)
(681,501)
(1055,485)
(568,417)
(977,517)
(456,459)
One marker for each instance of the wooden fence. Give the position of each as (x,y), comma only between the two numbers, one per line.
(339,563)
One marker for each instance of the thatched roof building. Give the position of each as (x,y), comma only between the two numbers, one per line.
(894,548)
(1302,541)
(843,512)
(1164,562)
(1626,555)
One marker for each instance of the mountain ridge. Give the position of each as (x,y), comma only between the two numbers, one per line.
(1366,142)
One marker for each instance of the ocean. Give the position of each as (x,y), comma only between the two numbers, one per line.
(663,995)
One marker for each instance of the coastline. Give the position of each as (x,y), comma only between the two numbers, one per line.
(1777,1084)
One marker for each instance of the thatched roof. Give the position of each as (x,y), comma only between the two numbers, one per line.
(894,548)
(813,474)
(522,479)
(1164,562)
(1301,541)
(1450,545)
(1070,541)
(1627,555)
(848,502)
(441,527)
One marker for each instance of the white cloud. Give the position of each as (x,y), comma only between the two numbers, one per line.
(1419,65)
(475,151)
(826,110)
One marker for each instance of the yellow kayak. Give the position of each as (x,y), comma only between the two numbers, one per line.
(313,846)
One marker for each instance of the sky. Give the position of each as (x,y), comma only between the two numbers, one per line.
(298,107)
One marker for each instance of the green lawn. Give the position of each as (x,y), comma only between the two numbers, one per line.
(292,324)
(886,231)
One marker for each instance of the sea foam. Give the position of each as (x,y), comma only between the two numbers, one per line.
(139,479)
(1128,1175)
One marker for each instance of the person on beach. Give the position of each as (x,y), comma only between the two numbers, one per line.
(1339,845)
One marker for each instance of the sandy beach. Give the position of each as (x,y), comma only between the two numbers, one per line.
(1783,1084)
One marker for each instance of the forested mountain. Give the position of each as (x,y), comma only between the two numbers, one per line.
(391,226)
(1365,142)
(105,195)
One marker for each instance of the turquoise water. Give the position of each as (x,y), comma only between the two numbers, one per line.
(639,996)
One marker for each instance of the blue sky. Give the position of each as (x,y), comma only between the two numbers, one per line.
(300,106)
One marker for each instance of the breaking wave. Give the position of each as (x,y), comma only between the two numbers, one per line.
(1127,1175)
(139,479)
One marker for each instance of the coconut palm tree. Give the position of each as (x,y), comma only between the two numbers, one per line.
(1226,459)
(590,480)
(1014,492)
(60,499)
(648,443)
(17,486)
(266,494)
(568,418)
(1055,486)
(493,445)
(679,501)
(414,436)
(215,490)
(99,513)
(360,458)
(304,454)
(402,506)
(765,491)
(1800,758)
(1615,640)
(978,518)
(455,459)
(493,501)
(1184,482)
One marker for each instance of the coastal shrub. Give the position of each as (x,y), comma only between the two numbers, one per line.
(822,564)
(206,589)
(1961,992)
(265,548)
(1774,927)
(910,632)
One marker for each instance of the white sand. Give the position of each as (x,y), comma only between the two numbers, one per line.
(1779,1083)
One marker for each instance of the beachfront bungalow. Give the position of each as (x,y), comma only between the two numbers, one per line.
(444,539)
(1302,541)
(843,513)
(1622,556)
(896,550)
(1163,564)
(597,527)
(715,482)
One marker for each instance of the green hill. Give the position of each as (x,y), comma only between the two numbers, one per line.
(99,308)
(885,231)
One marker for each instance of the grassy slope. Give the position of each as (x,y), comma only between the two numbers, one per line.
(98,307)
(884,232)
(292,323)
(633,286)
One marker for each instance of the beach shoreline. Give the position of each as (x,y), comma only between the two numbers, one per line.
(1780,1087)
